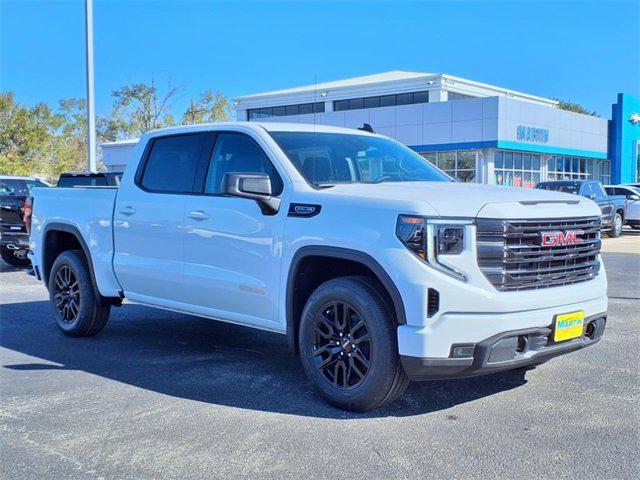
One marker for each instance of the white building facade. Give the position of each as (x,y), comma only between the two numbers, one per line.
(473,131)
(116,155)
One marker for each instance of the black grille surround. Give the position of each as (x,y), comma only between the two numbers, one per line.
(511,257)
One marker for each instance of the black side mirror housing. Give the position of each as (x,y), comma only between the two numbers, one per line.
(256,186)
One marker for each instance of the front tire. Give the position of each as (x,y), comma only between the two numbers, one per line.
(348,345)
(76,309)
(13,258)
(616,226)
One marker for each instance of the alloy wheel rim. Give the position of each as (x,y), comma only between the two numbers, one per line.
(618,225)
(341,345)
(67,294)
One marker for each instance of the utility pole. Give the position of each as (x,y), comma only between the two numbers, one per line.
(91,112)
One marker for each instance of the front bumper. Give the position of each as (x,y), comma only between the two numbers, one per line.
(504,351)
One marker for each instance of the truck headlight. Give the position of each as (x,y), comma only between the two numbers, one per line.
(430,239)
(450,239)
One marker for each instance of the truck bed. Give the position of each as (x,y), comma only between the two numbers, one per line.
(89,210)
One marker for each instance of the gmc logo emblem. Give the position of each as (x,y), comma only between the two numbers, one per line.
(560,239)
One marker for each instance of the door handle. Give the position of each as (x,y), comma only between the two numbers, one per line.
(198,215)
(128,210)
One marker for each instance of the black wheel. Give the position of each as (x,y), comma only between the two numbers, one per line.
(348,345)
(616,226)
(76,309)
(15,258)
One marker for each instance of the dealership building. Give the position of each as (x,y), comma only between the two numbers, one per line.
(473,131)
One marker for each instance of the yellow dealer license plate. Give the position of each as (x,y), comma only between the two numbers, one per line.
(568,326)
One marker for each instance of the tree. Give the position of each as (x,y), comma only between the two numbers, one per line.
(24,136)
(40,141)
(210,107)
(141,107)
(71,137)
(575,107)
(45,142)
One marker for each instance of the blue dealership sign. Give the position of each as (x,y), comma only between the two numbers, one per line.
(532,134)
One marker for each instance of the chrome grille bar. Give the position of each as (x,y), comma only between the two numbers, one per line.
(512,258)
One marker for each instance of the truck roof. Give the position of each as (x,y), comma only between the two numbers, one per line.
(257,126)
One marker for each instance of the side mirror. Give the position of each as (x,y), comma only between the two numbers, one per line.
(634,197)
(256,186)
(591,196)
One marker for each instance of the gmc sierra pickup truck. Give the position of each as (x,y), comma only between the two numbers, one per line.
(376,265)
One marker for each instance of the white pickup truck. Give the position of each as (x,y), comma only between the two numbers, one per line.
(376,265)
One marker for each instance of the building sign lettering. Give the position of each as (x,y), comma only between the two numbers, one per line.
(532,134)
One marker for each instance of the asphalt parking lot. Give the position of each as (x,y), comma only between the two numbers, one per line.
(163,395)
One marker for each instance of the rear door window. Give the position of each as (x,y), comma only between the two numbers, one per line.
(172,163)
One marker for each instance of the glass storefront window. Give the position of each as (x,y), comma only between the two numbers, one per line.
(447,161)
(460,164)
(508,160)
(562,167)
(517,169)
(605,172)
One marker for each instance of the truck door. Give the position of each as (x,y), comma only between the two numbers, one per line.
(232,249)
(606,206)
(149,220)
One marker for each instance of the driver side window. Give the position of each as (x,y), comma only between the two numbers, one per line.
(238,153)
(598,191)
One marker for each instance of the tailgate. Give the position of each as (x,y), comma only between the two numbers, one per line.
(11,213)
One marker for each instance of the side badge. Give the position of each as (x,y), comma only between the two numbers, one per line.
(303,210)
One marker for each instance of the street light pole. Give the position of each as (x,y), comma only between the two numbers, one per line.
(91,113)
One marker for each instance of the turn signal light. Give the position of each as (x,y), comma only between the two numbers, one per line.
(411,232)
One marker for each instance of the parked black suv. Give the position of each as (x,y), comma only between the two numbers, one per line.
(611,207)
(14,239)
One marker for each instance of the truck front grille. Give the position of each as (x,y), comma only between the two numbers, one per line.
(512,257)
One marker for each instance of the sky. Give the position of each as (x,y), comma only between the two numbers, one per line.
(585,52)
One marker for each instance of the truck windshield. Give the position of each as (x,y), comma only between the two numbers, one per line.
(326,159)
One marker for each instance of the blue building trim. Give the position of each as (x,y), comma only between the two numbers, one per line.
(550,149)
(444,147)
(624,139)
(506,145)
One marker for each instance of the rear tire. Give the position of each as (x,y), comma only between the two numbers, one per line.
(616,226)
(76,309)
(10,257)
(348,345)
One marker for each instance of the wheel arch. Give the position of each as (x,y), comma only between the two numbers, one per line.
(56,240)
(355,258)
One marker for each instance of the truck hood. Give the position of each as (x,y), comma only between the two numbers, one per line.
(450,199)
